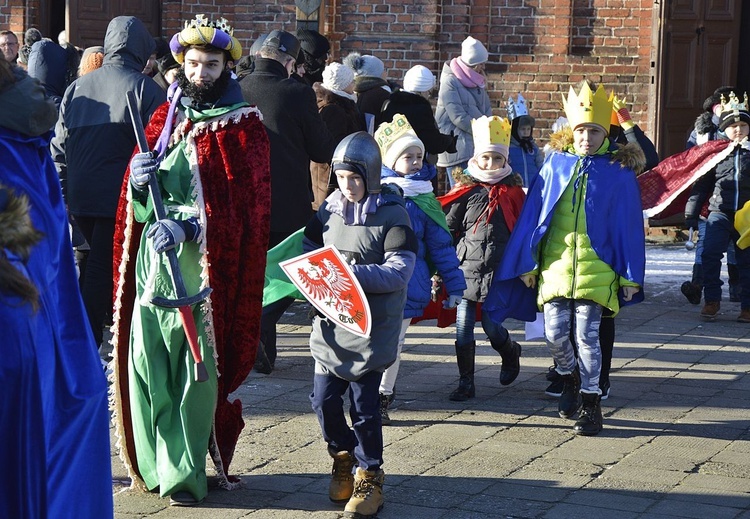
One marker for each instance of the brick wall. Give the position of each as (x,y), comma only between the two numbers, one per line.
(537,47)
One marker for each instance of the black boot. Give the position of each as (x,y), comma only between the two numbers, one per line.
(385,401)
(570,399)
(465,360)
(692,289)
(510,352)
(590,421)
(735,289)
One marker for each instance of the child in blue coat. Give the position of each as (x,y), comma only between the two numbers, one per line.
(403,165)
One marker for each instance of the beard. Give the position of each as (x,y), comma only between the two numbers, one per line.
(203,94)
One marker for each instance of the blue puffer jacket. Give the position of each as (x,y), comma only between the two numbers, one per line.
(526,164)
(435,249)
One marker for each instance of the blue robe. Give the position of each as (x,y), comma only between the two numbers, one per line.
(613,221)
(60,392)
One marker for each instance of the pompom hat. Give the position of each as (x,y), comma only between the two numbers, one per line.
(337,77)
(419,79)
(365,65)
(473,52)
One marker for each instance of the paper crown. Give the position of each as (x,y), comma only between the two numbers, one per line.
(517,108)
(588,107)
(388,133)
(733,104)
(204,31)
(490,130)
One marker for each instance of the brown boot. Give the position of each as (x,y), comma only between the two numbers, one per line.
(710,310)
(367,499)
(744,316)
(342,480)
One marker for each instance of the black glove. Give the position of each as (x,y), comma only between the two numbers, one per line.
(691,222)
(454,141)
(142,166)
(167,234)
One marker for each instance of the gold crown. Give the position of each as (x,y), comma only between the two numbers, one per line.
(588,107)
(200,20)
(388,133)
(490,130)
(733,104)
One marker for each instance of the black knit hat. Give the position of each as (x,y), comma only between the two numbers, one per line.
(734,110)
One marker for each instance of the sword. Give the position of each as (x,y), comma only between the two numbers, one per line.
(183,303)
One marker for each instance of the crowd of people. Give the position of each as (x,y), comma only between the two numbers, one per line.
(152,187)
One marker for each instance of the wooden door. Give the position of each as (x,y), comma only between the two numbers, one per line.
(88,19)
(699,54)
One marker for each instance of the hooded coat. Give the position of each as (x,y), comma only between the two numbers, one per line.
(94,136)
(457,105)
(48,64)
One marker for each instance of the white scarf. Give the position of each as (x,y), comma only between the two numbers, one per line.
(410,187)
(341,93)
(488,176)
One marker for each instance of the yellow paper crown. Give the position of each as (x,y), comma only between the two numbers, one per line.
(490,130)
(588,107)
(733,104)
(388,133)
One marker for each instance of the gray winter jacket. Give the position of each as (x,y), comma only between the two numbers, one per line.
(382,254)
(456,107)
(94,137)
(39,111)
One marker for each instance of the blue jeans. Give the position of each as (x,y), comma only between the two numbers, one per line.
(466,317)
(365,437)
(720,233)
(699,246)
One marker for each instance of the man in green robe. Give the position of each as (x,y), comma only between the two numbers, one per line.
(211,161)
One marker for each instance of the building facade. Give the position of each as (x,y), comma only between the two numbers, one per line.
(665,56)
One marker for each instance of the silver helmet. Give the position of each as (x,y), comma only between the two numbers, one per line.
(361,151)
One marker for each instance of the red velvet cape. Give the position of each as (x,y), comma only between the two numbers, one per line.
(665,189)
(234,165)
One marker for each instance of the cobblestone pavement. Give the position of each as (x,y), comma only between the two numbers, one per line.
(676,441)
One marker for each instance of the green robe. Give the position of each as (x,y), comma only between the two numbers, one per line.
(172,414)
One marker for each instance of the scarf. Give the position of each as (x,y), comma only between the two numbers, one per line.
(488,177)
(468,77)
(353,213)
(341,93)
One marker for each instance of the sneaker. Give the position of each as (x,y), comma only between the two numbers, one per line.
(710,310)
(555,388)
(744,316)
(552,374)
(692,291)
(604,388)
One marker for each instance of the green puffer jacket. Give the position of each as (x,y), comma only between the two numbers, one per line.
(569,265)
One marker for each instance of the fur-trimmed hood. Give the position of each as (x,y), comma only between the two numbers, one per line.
(17,233)
(628,155)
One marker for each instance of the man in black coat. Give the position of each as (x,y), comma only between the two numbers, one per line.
(92,146)
(297,134)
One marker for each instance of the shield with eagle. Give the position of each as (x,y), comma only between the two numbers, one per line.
(325,279)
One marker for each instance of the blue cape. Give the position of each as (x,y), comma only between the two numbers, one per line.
(614,224)
(70,385)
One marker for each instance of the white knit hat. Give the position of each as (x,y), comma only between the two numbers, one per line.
(419,79)
(365,65)
(473,52)
(337,77)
